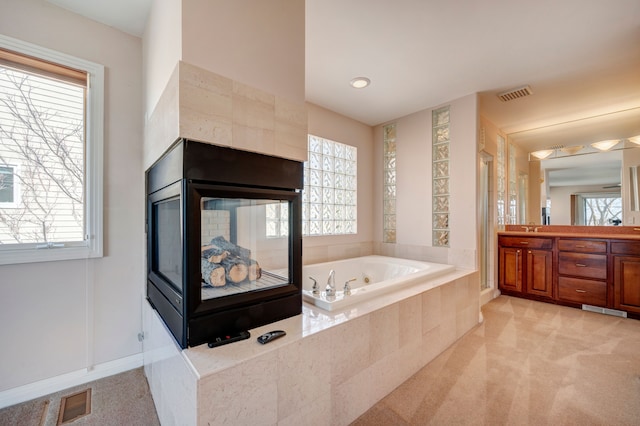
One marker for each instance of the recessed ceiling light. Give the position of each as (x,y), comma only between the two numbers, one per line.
(360,82)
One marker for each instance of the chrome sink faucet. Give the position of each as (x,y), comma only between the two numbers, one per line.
(331,284)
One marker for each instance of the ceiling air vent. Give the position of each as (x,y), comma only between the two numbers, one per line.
(510,95)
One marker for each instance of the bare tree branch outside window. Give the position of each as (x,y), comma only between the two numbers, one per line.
(601,211)
(42,130)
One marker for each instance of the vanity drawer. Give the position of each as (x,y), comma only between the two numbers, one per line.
(583,265)
(583,246)
(579,290)
(526,242)
(625,247)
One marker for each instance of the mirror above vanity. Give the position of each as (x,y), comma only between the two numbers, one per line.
(577,179)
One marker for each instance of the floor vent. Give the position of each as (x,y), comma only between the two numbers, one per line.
(510,95)
(606,311)
(74,406)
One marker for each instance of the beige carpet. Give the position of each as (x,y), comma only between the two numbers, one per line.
(123,399)
(529,363)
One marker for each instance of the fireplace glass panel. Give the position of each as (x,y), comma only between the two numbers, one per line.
(237,256)
(167,253)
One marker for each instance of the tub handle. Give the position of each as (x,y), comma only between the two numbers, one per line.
(315,289)
(347,287)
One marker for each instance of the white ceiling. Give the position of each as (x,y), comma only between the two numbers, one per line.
(581,59)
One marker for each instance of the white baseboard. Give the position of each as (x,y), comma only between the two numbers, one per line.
(65,381)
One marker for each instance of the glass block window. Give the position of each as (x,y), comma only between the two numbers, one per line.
(501,181)
(329,198)
(277,219)
(389,195)
(440,142)
(513,190)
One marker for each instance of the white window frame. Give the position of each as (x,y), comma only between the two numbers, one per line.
(582,198)
(91,247)
(16,187)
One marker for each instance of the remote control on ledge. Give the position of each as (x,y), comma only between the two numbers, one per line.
(272,335)
(229,338)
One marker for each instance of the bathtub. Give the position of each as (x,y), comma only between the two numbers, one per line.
(371,275)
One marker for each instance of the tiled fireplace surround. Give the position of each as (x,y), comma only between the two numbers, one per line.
(329,368)
(332,366)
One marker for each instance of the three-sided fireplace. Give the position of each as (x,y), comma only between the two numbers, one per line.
(212,269)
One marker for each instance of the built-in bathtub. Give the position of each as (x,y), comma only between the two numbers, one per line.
(367,277)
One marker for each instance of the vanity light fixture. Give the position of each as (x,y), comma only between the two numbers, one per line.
(571,149)
(605,145)
(360,82)
(542,154)
(635,139)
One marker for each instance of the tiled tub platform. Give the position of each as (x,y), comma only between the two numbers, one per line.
(329,368)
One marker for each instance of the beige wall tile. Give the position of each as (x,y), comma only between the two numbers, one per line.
(205,127)
(385,332)
(410,321)
(309,358)
(253,107)
(352,398)
(244,394)
(253,139)
(431,309)
(350,352)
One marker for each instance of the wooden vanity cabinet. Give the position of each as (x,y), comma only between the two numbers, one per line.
(582,271)
(626,275)
(570,269)
(526,265)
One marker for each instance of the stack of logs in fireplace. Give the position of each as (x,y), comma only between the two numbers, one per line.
(226,263)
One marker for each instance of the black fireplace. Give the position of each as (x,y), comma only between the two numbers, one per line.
(213,269)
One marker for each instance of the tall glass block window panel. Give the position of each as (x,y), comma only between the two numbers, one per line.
(329,199)
(440,176)
(389,189)
(513,190)
(501,181)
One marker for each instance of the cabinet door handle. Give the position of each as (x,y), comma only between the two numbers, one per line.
(524,242)
(580,291)
(580,246)
(581,265)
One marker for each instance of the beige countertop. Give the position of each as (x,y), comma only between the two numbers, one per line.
(602,235)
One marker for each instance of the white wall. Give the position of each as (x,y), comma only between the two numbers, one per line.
(258,43)
(414,186)
(61,317)
(162,48)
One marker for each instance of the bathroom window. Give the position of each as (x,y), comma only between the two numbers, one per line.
(389,194)
(50,155)
(501,182)
(441,120)
(329,199)
(598,209)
